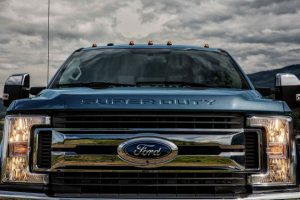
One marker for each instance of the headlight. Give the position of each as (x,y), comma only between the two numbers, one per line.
(16,149)
(279,151)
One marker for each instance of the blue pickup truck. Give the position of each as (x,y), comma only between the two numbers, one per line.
(150,121)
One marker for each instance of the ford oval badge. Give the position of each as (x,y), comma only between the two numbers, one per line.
(147,152)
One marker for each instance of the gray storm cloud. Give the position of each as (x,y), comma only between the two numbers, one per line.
(260,34)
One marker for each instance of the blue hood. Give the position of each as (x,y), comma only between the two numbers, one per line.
(147,98)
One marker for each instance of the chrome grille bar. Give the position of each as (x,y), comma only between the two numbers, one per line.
(230,156)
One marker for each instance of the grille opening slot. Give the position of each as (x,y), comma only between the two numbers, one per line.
(44,149)
(252,150)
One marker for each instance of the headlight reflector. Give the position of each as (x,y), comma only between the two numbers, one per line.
(16,149)
(279,150)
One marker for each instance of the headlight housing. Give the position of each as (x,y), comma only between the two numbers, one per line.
(16,149)
(280,156)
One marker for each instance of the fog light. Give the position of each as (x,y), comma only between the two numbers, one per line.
(16,149)
(279,151)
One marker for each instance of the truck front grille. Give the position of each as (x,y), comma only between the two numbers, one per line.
(151,119)
(147,184)
(80,154)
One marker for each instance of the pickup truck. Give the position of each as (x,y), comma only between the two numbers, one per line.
(150,121)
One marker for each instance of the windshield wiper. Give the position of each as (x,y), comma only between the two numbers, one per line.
(94,84)
(168,83)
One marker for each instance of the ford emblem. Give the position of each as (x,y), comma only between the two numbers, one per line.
(147,152)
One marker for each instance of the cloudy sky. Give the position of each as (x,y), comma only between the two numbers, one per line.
(260,34)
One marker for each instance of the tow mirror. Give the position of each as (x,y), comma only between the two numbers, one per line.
(16,87)
(287,88)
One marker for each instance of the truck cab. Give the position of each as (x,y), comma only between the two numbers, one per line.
(150,121)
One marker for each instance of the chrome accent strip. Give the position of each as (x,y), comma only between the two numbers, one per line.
(34,153)
(151,130)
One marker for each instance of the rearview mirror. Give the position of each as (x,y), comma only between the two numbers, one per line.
(16,87)
(288,89)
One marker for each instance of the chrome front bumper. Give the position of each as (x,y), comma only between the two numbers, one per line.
(25,195)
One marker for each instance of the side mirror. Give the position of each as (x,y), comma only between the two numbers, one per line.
(16,87)
(287,88)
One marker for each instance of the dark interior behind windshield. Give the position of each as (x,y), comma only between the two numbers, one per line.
(129,66)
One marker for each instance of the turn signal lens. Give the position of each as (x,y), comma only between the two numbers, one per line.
(276,151)
(18,149)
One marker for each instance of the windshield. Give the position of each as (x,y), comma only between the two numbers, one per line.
(136,67)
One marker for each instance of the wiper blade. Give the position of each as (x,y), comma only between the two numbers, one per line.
(94,84)
(168,83)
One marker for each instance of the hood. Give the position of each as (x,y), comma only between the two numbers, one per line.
(147,98)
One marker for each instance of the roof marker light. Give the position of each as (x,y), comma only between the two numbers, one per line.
(169,43)
(94,45)
(131,42)
(150,42)
(206,45)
